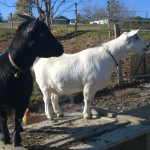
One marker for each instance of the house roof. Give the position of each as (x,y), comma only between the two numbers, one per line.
(61,17)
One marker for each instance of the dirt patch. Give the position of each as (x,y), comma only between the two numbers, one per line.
(116,100)
(4,40)
(83,40)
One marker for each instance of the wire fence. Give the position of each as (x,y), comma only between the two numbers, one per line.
(62,24)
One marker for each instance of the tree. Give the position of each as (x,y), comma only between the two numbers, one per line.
(88,11)
(118,10)
(24,6)
(79,18)
(50,8)
(100,13)
(94,11)
(114,8)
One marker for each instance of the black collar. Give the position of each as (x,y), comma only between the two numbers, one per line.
(113,58)
(19,70)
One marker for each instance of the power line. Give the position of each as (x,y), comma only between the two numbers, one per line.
(70,6)
(66,9)
(3,3)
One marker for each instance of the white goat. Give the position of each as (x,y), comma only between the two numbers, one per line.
(88,71)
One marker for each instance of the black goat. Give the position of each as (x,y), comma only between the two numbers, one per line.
(32,39)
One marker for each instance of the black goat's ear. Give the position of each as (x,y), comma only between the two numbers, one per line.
(32,26)
(27,17)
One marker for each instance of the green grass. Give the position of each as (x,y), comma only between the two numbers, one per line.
(145,35)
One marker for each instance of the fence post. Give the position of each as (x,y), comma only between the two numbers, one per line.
(119,68)
(108,13)
(75,25)
(12,24)
(11,18)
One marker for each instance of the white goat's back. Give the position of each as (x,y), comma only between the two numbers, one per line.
(70,72)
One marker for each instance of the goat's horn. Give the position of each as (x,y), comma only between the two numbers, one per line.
(42,17)
(27,17)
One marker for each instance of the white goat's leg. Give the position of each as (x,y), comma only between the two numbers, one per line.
(47,103)
(56,108)
(88,94)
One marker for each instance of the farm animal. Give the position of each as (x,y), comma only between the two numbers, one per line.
(32,39)
(88,71)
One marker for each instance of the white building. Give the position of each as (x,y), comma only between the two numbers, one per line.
(104,21)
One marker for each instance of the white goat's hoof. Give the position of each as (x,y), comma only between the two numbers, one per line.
(86,116)
(50,117)
(60,115)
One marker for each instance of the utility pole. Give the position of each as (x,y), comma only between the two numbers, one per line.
(108,13)
(75,5)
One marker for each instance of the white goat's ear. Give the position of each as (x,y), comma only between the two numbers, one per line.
(133,33)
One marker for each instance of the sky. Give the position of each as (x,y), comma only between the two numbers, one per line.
(137,5)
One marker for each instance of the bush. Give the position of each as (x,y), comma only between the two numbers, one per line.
(134,24)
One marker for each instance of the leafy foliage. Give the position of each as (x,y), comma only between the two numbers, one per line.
(24,6)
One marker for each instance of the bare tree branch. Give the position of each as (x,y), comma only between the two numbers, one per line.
(54,4)
(47,4)
(50,8)
(67,8)
(3,3)
(58,7)
(39,9)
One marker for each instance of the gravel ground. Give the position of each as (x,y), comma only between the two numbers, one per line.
(119,99)
(115,99)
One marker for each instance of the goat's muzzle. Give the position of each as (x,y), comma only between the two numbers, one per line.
(148,45)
